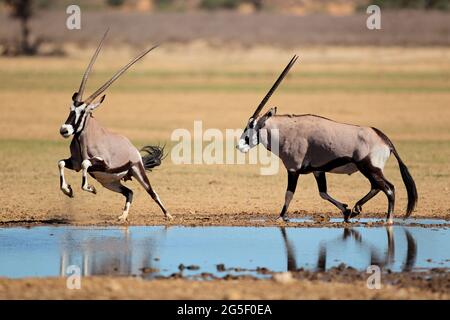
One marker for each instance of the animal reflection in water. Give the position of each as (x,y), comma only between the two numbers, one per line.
(382,260)
(113,256)
(123,254)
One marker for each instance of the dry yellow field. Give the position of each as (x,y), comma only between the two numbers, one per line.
(403,92)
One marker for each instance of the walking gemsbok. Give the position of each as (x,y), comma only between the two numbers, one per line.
(313,144)
(106,156)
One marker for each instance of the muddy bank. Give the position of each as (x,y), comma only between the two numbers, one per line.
(136,288)
(203,219)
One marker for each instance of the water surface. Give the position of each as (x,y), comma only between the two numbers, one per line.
(159,251)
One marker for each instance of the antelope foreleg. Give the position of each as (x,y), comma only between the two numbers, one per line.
(322,186)
(290,190)
(84,184)
(65,188)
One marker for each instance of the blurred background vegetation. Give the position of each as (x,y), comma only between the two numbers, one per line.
(245,5)
(27,26)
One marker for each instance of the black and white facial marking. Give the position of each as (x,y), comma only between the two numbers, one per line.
(77,116)
(250,137)
(79,111)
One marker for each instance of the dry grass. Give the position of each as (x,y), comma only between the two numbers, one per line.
(404,92)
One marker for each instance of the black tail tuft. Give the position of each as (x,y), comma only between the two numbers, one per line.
(406,176)
(153,156)
(409,184)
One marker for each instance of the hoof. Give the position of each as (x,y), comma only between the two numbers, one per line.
(356,211)
(389,222)
(90,189)
(168,217)
(282,219)
(123,219)
(68,192)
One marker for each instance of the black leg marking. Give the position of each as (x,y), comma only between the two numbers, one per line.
(69,164)
(127,193)
(292,185)
(116,186)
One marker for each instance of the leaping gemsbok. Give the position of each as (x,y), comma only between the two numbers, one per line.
(313,144)
(106,156)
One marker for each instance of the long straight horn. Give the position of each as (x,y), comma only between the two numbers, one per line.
(275,86)
(117,75)
(79,96)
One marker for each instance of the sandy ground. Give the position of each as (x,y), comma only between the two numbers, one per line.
(403,92)
(135,288)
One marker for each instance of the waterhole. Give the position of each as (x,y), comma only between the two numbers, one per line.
(158,251)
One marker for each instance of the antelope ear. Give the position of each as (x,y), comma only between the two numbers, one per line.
(74,96)
(262,120)
(271,112)
(95,105)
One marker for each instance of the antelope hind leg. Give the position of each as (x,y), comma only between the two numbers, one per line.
(138,172)
(127,193)
(379,182)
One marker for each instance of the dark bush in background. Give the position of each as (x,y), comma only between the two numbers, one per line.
(115,3)
(219,4)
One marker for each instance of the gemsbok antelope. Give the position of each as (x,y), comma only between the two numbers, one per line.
(313,144)
(106,156)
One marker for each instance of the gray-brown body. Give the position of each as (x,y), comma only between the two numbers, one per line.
(116,150)
(309,142)
(314,144)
